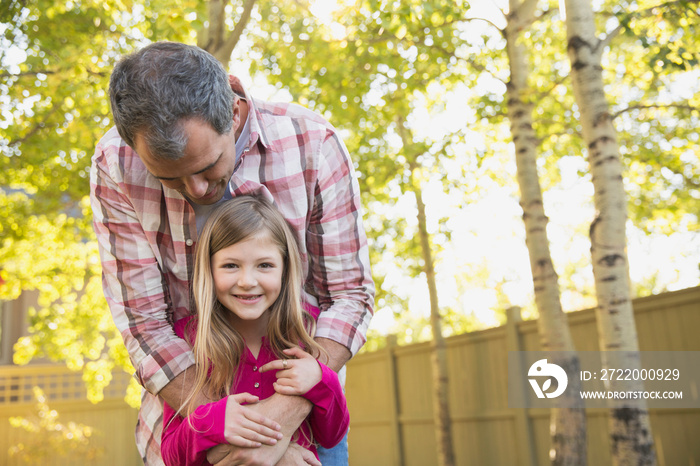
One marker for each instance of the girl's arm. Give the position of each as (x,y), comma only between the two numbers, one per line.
(182,444)
(329,417)
(307,377)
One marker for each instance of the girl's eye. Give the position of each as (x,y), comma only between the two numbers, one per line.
(266,265)
(229,266)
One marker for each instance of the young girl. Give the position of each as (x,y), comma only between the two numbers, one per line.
(251,336)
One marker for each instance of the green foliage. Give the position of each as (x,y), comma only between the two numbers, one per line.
(369,69)
(72,323)
(669,32)
(656,114)
(54,101)
(55,61)
(52,439)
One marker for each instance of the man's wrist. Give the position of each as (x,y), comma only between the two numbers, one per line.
(292,412)
(177,391)
(337,355)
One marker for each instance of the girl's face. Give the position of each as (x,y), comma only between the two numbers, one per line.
(248,279)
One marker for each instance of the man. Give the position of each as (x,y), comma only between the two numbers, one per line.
(187,137)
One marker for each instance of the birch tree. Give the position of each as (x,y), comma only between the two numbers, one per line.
(438,348)
(630,427)
(567,424)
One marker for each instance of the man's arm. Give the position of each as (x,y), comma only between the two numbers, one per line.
(177,391)
(132,275)
(338,252)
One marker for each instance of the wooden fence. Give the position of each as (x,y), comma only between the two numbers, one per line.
(111,420)
(389,395)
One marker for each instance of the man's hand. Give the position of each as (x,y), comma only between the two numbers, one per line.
(245,427)
(294,456)
(295,376)
(217,454)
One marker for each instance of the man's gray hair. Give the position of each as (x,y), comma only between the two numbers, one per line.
(155,90)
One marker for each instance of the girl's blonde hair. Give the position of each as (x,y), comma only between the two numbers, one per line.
(219,348)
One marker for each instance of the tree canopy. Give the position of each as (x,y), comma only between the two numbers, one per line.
(418,89)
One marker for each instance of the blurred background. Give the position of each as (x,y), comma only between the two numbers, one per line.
(460,117)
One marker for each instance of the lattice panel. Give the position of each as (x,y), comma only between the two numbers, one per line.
(58,384)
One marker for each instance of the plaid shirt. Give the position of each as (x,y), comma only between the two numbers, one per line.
(147,235)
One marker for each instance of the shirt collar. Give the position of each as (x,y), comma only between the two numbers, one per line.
(255,122)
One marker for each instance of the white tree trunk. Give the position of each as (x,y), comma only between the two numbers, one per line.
(567,424)
(438,352)
(630,429)
(438,348)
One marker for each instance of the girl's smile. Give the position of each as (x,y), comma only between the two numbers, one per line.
(248,279)
(248,298)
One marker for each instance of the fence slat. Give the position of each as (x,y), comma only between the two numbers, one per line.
(393,384)
(523,426)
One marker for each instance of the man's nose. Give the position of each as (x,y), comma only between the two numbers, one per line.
(196,186)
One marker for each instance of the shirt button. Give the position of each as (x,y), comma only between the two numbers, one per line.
(257,385)
(189,242)
(255,368)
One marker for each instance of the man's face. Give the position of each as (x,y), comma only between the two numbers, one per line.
(203,173)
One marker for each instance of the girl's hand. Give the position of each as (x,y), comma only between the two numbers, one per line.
(247,428)
(295,376)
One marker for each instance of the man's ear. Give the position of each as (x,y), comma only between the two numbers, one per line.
(236,84)
(237,112)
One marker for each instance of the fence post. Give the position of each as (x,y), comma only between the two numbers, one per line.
(397,441)
(523,427)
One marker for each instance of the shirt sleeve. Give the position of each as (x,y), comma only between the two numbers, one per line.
(183,444)
(329,417)
(338,251)
(131,276)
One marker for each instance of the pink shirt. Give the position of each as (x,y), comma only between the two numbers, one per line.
(328,420)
